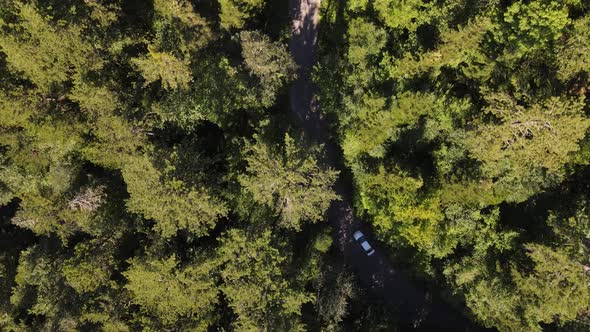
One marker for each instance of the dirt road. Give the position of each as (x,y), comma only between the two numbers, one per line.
(420,310)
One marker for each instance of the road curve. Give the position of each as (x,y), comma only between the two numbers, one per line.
(419,310)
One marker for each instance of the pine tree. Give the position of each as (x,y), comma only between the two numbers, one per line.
(254,285)
(289,180)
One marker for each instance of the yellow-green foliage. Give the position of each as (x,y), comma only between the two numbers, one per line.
(235,13)
(404,14)
(45,52)
(573,56)
(457,49)
(528,29)
(289,180)
(169,201)
(173,72)
(179,9)
(398,211)
(254,285)
(526,140)
(174,293)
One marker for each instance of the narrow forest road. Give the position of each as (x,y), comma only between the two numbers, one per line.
(418,309)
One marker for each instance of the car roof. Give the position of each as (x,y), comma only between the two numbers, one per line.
(357,235)
(366,246)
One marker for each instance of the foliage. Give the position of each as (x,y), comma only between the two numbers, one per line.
(47,54)
(173,72)
(235,13)
(269,62)
(151,177)
(254,285)
(465,125)
(289,180)
(173,294)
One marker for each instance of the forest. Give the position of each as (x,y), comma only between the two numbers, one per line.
(153,176)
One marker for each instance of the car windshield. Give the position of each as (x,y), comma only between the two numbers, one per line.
(366,246)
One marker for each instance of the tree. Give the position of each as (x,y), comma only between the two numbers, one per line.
(179,28)
(179,9)
(459,49)
(399,214)
(556,289)
(527,142)
(365,43)
(402,14)
(253,283)
(573,56)
(173,72)
(268,61)
(46,53)
(92,265)
(288,180)
(171,202)
(40,291)
(528,29)
(235,13)
(178,296)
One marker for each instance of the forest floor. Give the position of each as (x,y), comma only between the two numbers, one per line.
(420,309)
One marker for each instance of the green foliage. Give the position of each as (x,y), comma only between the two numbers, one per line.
(269,61)
(449,114)
(402,14)
(91,267)
(235,13)
(525,143)
(179,9)
(105,14)
(573,56)
(528,29)
(172,293)
(289,180)
(172,203)
(173,73)
(365,40)
(46,53)
(41,291)
(458,49)
(557,288)
(135,196)
(255,286)
(392,198)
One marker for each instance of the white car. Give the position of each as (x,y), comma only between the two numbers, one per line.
(360,238)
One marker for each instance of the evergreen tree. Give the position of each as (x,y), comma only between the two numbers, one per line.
(254,285)
(175,296)
(289,180)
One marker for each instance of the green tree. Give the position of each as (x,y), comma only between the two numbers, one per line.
(47,53)
(402,14)
(235,13)
(173,72)
(527,141)
(172,202)
(269,61)
(573,56)
(528,29)
(41,291)
(91,266)
(255,286)
(106,14)
(556,289)
(289,180)
(179,296)
(365,43)
(458,49)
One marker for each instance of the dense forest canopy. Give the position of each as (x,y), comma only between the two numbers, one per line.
(152,176)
